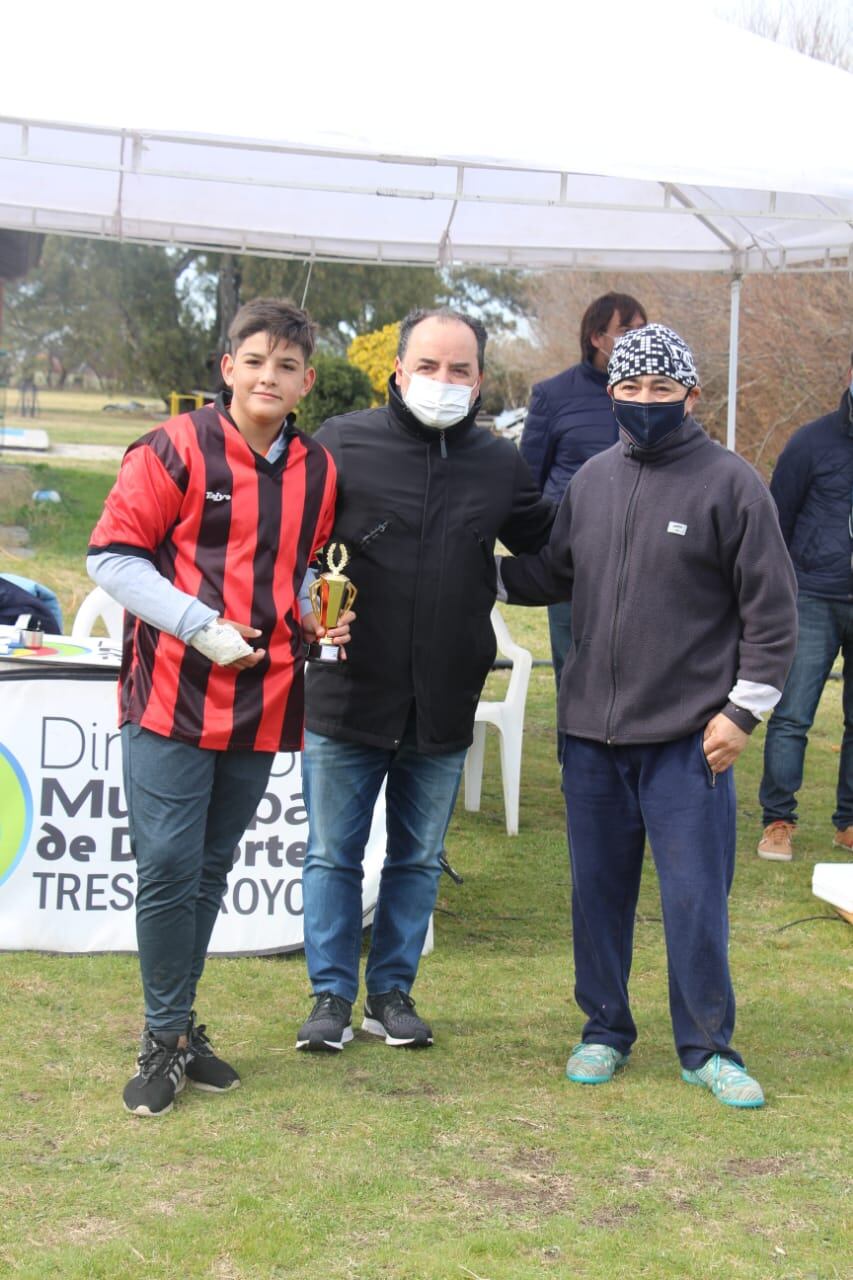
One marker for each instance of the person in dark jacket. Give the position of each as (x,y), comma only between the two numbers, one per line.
(423,493)
(813,488)
(683,626)
(569,420)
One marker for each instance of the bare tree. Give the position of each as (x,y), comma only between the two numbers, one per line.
(817,28)
(795,342)
(795,329)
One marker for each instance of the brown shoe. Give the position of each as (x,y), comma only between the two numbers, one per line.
(843,839)
(776,843)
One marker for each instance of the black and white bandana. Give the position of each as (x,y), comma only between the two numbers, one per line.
(654,349)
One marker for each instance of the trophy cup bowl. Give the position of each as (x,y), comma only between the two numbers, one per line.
(331,595)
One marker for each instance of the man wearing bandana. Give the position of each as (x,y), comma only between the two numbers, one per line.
(569,421)
(684,626)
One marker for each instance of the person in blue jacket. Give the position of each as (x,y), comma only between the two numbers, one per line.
(569,420)
(813,488)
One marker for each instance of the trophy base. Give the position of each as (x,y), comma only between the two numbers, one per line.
(319,652)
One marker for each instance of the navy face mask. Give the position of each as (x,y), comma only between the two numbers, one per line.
(647,425)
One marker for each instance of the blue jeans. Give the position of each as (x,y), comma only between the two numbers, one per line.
(825,626)
(560,627)
(341,783)
(187,809)
(615,798)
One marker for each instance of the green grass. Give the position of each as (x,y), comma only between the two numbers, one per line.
(476,1159)
(59,532)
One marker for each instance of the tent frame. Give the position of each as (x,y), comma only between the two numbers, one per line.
(46,143)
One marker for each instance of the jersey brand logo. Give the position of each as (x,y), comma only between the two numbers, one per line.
(216,496)
(675,527)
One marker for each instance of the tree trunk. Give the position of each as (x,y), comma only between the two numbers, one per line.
(227,299)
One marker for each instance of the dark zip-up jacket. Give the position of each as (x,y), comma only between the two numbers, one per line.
(569,421)
(419,511)
(813,489)
(681,585)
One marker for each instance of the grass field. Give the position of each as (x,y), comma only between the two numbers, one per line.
(477,1158)
(59,532)
(75,417)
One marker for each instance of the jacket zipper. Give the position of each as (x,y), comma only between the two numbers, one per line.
(373,533)
(483,545)
(614,670)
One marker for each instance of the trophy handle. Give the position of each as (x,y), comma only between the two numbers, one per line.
(314,590)
(350,595)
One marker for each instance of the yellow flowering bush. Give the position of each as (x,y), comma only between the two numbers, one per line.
(374,354)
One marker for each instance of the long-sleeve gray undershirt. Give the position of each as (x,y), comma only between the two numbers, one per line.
(139,587)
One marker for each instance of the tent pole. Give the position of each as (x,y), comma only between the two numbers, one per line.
(734,325)
(307,282)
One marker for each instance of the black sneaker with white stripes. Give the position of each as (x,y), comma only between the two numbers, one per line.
(328,1026)
(161,1075)
(204,1069)
(392,1015)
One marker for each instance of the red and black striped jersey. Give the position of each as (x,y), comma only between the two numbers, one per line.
(223,524)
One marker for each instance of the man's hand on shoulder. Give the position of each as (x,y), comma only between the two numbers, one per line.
(223,641)
(723,742)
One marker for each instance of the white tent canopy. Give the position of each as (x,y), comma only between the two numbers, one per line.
(670,143)
(293,199)
(618,137)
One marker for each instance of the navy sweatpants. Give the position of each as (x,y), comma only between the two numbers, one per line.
(615,798)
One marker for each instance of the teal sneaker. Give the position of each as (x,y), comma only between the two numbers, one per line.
(594,1063)
(728,1082)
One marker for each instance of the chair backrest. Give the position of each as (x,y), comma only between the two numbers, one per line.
(99,605)
(522,660)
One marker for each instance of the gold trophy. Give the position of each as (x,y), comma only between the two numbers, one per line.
(331,594)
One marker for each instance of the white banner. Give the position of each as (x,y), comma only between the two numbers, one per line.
(67,877)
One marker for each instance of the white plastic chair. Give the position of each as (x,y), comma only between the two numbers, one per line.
(508,718)
(429,940)
(98,605)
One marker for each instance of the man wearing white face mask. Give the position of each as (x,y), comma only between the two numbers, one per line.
(422,496)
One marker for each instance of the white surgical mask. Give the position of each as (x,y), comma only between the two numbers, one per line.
(437,404)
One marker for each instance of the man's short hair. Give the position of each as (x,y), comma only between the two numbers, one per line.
(414,318)
(280,318)
(599,313)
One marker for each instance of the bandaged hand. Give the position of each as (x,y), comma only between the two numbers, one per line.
(223,643)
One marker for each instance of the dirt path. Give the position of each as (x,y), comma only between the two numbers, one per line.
(88,452)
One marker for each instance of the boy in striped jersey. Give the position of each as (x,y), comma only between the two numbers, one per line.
(205,539)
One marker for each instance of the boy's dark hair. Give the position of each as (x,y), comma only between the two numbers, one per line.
(278,317)
(414,318)
(599,313)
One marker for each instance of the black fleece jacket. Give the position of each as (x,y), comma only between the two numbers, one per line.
(419,511)
(681,585)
